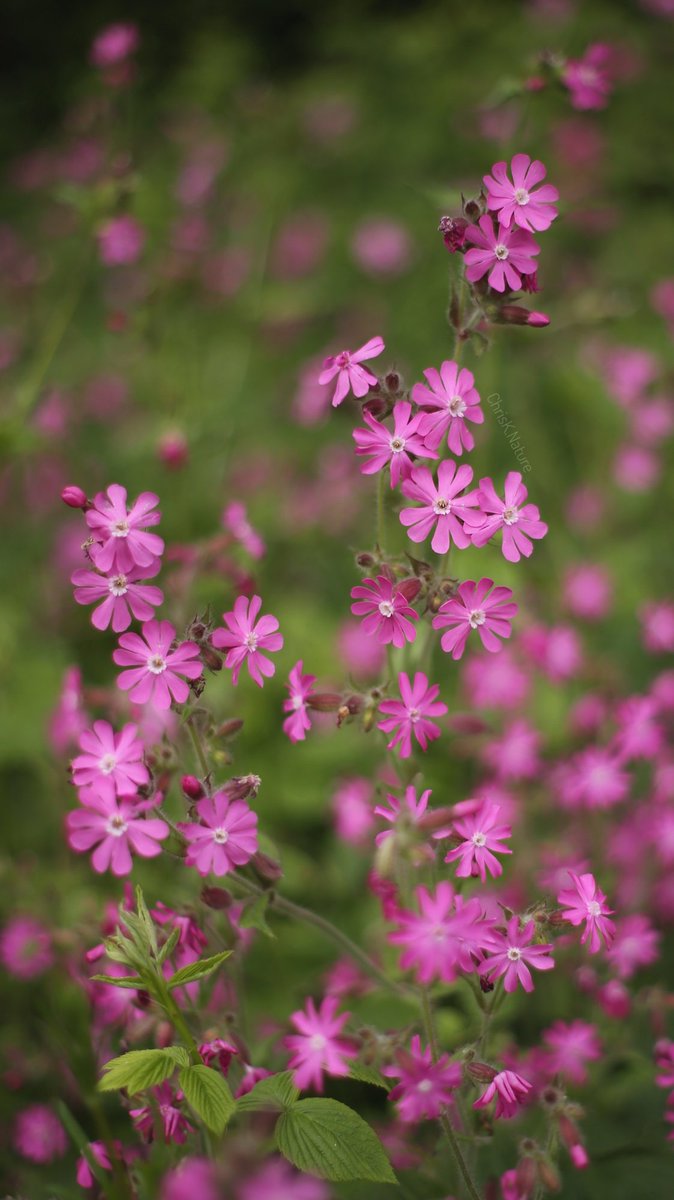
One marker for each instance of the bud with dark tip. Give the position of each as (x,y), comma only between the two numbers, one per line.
(217,898)
(192,787)
(74,497)
(366,560)
(453,230)
(393,382)
(472,210)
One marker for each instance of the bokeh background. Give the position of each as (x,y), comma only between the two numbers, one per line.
(288,165)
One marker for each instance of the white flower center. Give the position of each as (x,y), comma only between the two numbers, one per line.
(511,515)
(501,251)
(397,445)
(117,585)
(156,664)
(477,617)
(317,1041)
(587,75)
(594,908)
(442,506)
(479,839)
(424,1085)
(386,608)
(514,953)
(414,715)
(120,529)
(297,702)
(457,406)
(251,640)
(220,836)
(521,196)
(116,826)
(107,764)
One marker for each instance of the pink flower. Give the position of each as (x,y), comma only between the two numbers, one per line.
(473,607)
(593,779)
(507,254)
(636,945)
(483,839)
(277,1180)
(451,399)
(411,714)
(120,241)
(235,521)
(530,207)
(122,596)
(155,669)
(381,246)
(114,44)
(657,627)
(512,955)
(402,815)
(125,544)
(191,1179)
(384,446)
(225,838)
(571,1046)
(317,1046)
(588,591)
(353,813)
(586,902)
(510,1090)
(163,1110)
(496,682)
(425,1087)
(515,754)
(441,939)
(69,717)
(245,638)
(442,507)
(346,366)
(84,1174)
(25,948)
(384,606)
(588,79)
(112,763)
(519,521)
(300,686)
(39,1135)
(115,828)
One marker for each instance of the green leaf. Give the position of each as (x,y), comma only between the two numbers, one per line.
(123,981)
(169,946)
(81,1140)
(364,1073)
(208,1094)
(254,916)
(197,970)
(325,1138)
(274,1092)
(140,1069)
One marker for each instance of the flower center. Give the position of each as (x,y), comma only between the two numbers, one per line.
(397,445)
(156,664)
(251,640)
(511,515)
(514,953)
(343,359)
(386,608)
(442,506)
(297,702)
(477,617)
(587,75)
(479,839)
(424,1085)
(457,406)
(107,764)
(116,826)
(594,908)
(117,585)
(501,251)
(119,529)
(220,836)
(317,1041)
(414,715)
(522,196)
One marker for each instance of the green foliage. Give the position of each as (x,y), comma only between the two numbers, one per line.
(198,970)
(209,1095)
(325,1138)
(274,1092)
(140,1069)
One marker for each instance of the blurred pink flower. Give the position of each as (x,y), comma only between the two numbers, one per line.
(588,591)
(569,1047)
(440,939)
(425,1086)
(588,78)
(120,241)
(353,811)
(657,626)
(317,1047)
(509,1089)
(277,1180)
(114,44)
(300,686)
(39,1135)
(25,948)
(192,1179)
(235,521)
(381,246)
(585,902)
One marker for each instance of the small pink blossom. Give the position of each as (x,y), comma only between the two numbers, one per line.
(164,1111)
(84,1174)
(450,399)
(475,606)
(122,597)
(114,828)
(25,948)
(657,627)
(350,374)
(155,670)
(392,447)
(225,838)
(111,763)
(246,637)
(114,44)
(402,814)
(235,521)
(520,522)
(381,246)
(384,606)
(514,755)
(277,1180)
(352,809)
(636,945)
(585,902)
(317,1047)
(300,687)
(588,79)
(120,241)
(425,1086)
(483,840)
(520,200)
(125,543)
(191,1179)
(507,254)
(39,1135)
(513,953)
(570,1046)
(594,778)
(588,591)
(510,1091)
(443,508)
(411,715)
(442,938)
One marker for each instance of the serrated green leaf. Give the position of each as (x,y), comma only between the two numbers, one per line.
(169,946)
(364,1073)
(325,1138)
(208,1093)
(274,1092)
(122,981)
(254,916)
(197,970)
(141,1069)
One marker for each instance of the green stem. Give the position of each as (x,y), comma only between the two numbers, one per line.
(28,394)
(177,1019)
(382,481)
(198,745)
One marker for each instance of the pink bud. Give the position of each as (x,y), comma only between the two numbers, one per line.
(192,787)
(173,450)
(579,1156)
(481,1071)
(409,588)
(538,320)
(74,497)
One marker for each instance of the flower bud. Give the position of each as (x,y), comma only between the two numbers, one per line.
(513,314)
(216,897)
(472,209)
(192,787)
(467,723)
(409,588)
(526,1176)
(268,868)
(173,450)
(211,658)
(548,1175)
(324,702)
(453,230)
(366,560)
(393,382)
(485,985)
(229,729)
(74,497)
(481,1071)
(242,786)
(579,1156)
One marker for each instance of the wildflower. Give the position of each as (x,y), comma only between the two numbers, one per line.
(163,1109)
(84,1174)
(498,681)
(594,778)
(352,809)
(381,247)
(411,714)
(520,200)
(300,686)
(507,254)
(450,399)
(571,1045)
(235,521)
(514,755)
(350,374)
(122,596)
(317,1046)
(442,506)
(519,521)
(245,638)
(122,532)
(112,763)
(483,839)
(383,446)
(25,948)
(154,668)
(114,828)
(120,241)
(473,607)
(512,954)
(114,44)
(402,813)
(438,941)
(225,838)
(425,1087)
(217,1051)
(192,1177)
(385,607)
(657,627)
(510,1090)
(636,945)
(588,591)
(586,902)
(39,1135)
(587,78)
(277,1180)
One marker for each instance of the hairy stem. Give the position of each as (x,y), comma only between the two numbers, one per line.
(381,510)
